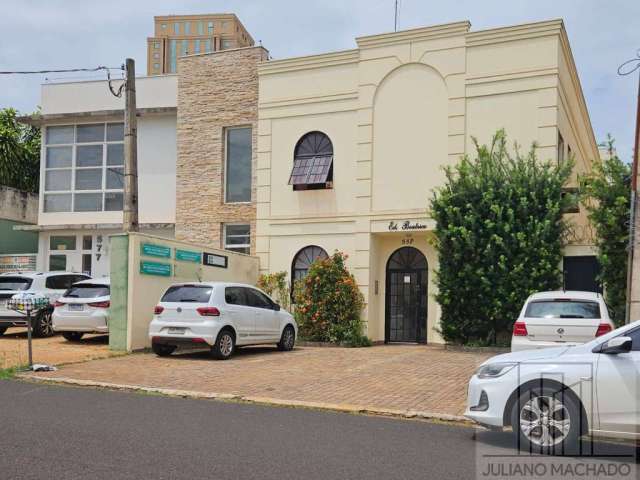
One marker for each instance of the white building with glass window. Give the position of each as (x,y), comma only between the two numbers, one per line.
(82,169)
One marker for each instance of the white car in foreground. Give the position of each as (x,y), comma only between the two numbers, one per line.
(553,396)
(83,308)
(220,316)
(551,319)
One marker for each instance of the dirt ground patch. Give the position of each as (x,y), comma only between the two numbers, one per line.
(394,377)
(52,350)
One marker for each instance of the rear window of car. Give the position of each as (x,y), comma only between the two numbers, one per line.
(562,309)
(15,283)
(188,293)
(87,290)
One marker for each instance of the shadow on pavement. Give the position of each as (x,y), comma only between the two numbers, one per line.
(503,443)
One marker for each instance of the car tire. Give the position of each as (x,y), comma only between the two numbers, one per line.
(42,324)
(547,420)
(3,330)
(288,339)
(72,336)
(225,345)
(163,350)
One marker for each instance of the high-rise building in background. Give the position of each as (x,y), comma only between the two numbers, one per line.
(179,35)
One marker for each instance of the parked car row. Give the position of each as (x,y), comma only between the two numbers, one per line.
(216,315)
(570,374)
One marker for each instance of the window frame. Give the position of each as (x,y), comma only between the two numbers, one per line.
(295,259)
(226,164)
(73,167)
(313,158)
(233,247)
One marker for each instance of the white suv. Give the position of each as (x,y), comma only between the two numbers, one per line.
(552,319)
(220,316)
(47,284)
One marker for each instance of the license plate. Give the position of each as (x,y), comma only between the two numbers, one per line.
(176,330)
(76,307)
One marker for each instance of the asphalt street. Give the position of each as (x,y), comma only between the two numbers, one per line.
(57,432)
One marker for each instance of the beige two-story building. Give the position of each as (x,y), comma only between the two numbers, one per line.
(351,145)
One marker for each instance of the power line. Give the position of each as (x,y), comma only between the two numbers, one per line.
(29,72)
(117,92)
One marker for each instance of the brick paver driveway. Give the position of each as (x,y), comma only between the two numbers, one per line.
(390,377)
(52,350)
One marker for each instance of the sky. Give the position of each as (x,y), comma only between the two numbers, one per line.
(54,34)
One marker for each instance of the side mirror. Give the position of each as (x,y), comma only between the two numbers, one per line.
(617,345)
(276,307)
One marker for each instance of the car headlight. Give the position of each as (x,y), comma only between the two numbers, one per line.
(494,370)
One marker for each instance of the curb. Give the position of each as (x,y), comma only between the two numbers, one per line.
(345,408)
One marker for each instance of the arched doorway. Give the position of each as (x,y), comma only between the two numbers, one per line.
(406,296)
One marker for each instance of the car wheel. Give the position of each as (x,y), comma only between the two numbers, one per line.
(72,336)
(42,324)
(224,346)
(547,420)
(2,330)
(287,340)
(163,350)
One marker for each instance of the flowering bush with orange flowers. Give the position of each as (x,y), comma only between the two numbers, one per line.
(329,303)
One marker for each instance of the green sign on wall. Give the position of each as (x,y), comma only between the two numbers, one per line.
(155,268)
(188,256)
(152,250)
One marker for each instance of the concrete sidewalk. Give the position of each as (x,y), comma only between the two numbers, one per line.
(409,380)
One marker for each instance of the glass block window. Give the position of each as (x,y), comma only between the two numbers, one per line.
(84,167)
(312,163)
(237,238)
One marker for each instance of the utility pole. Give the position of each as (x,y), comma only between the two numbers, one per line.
(130,207)
(632,311)
(395,19)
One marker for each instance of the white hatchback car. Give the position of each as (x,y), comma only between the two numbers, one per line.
(553,396)
(551,319)
(84,308)
(47,284)
(219,315)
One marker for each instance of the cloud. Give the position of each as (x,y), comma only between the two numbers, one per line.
(84,33)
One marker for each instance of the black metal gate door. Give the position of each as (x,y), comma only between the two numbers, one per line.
(406,296)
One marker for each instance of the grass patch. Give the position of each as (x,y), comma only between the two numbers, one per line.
(9,373)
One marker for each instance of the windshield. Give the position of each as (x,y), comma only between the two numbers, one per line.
(188,293)
(15,283)
(87,290)
(562,309)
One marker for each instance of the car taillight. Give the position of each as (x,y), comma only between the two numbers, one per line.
(158,310)
(603,328)
(57,303)
(520,329)
(104,304)
(208,311)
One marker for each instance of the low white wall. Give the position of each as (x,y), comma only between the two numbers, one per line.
(144,290)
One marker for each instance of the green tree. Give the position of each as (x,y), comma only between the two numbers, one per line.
(19,153)
(606,193)
(499,238)
(329,303)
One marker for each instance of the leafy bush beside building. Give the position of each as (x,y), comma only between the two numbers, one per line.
(499,238)
(606,194)
(329,304)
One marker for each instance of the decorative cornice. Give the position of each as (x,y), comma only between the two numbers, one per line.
(307,62)
(415,34)
(515,32)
